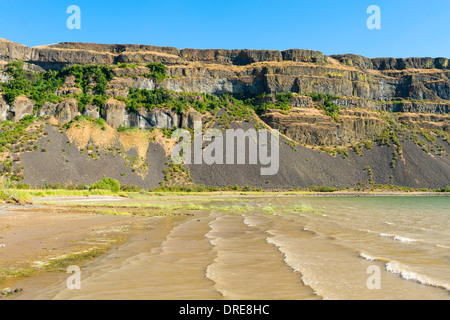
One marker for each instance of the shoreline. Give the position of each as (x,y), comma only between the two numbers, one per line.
(63,194)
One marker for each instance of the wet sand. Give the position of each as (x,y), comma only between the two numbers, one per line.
(33,237)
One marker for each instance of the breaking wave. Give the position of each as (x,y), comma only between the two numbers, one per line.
(399,238)
(406,273)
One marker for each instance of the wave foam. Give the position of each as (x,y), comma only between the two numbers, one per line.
(368,257)
(399,238)
(406,273)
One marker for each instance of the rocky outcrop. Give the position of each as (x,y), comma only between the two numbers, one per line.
(437,107)
(4,77)
(415,63)
(314,127)
(155,118)
(4,109)
(425,121)
(354,60)
(67,91)
(67,110)
(47,109)
(115,113)
(92,111)
(10,51)
(21,107)
(392,63)
(169,55)
(188,118)
(84,53)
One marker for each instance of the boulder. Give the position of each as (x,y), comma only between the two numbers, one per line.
(67,91)
(4,77)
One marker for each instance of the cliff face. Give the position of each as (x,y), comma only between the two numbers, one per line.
(412,85)
(423,81)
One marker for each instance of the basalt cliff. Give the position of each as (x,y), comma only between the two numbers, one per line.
(345,120)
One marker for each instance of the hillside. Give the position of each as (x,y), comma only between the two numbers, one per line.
(74,112)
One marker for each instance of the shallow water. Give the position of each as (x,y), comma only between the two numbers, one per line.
(285,247)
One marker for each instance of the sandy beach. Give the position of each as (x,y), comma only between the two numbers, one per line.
(37,238)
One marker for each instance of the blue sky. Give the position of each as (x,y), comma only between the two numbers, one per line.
(408,28)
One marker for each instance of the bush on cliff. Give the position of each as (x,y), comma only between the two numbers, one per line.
(331,109)
(157,71)
(329,106)
(283,102)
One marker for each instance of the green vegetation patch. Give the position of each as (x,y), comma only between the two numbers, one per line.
(329,106)
(41,86)
(106,184)
(13,272)
(157,71)
(283,102)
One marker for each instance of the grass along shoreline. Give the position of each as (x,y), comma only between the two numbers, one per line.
(26,196)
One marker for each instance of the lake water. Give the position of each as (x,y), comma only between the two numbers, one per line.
(280,247)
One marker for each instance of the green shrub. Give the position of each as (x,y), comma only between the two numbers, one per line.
(368,144)
(329,106)
(322,189)
(331,109)
(157,71)
(126,65)
(106,184)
